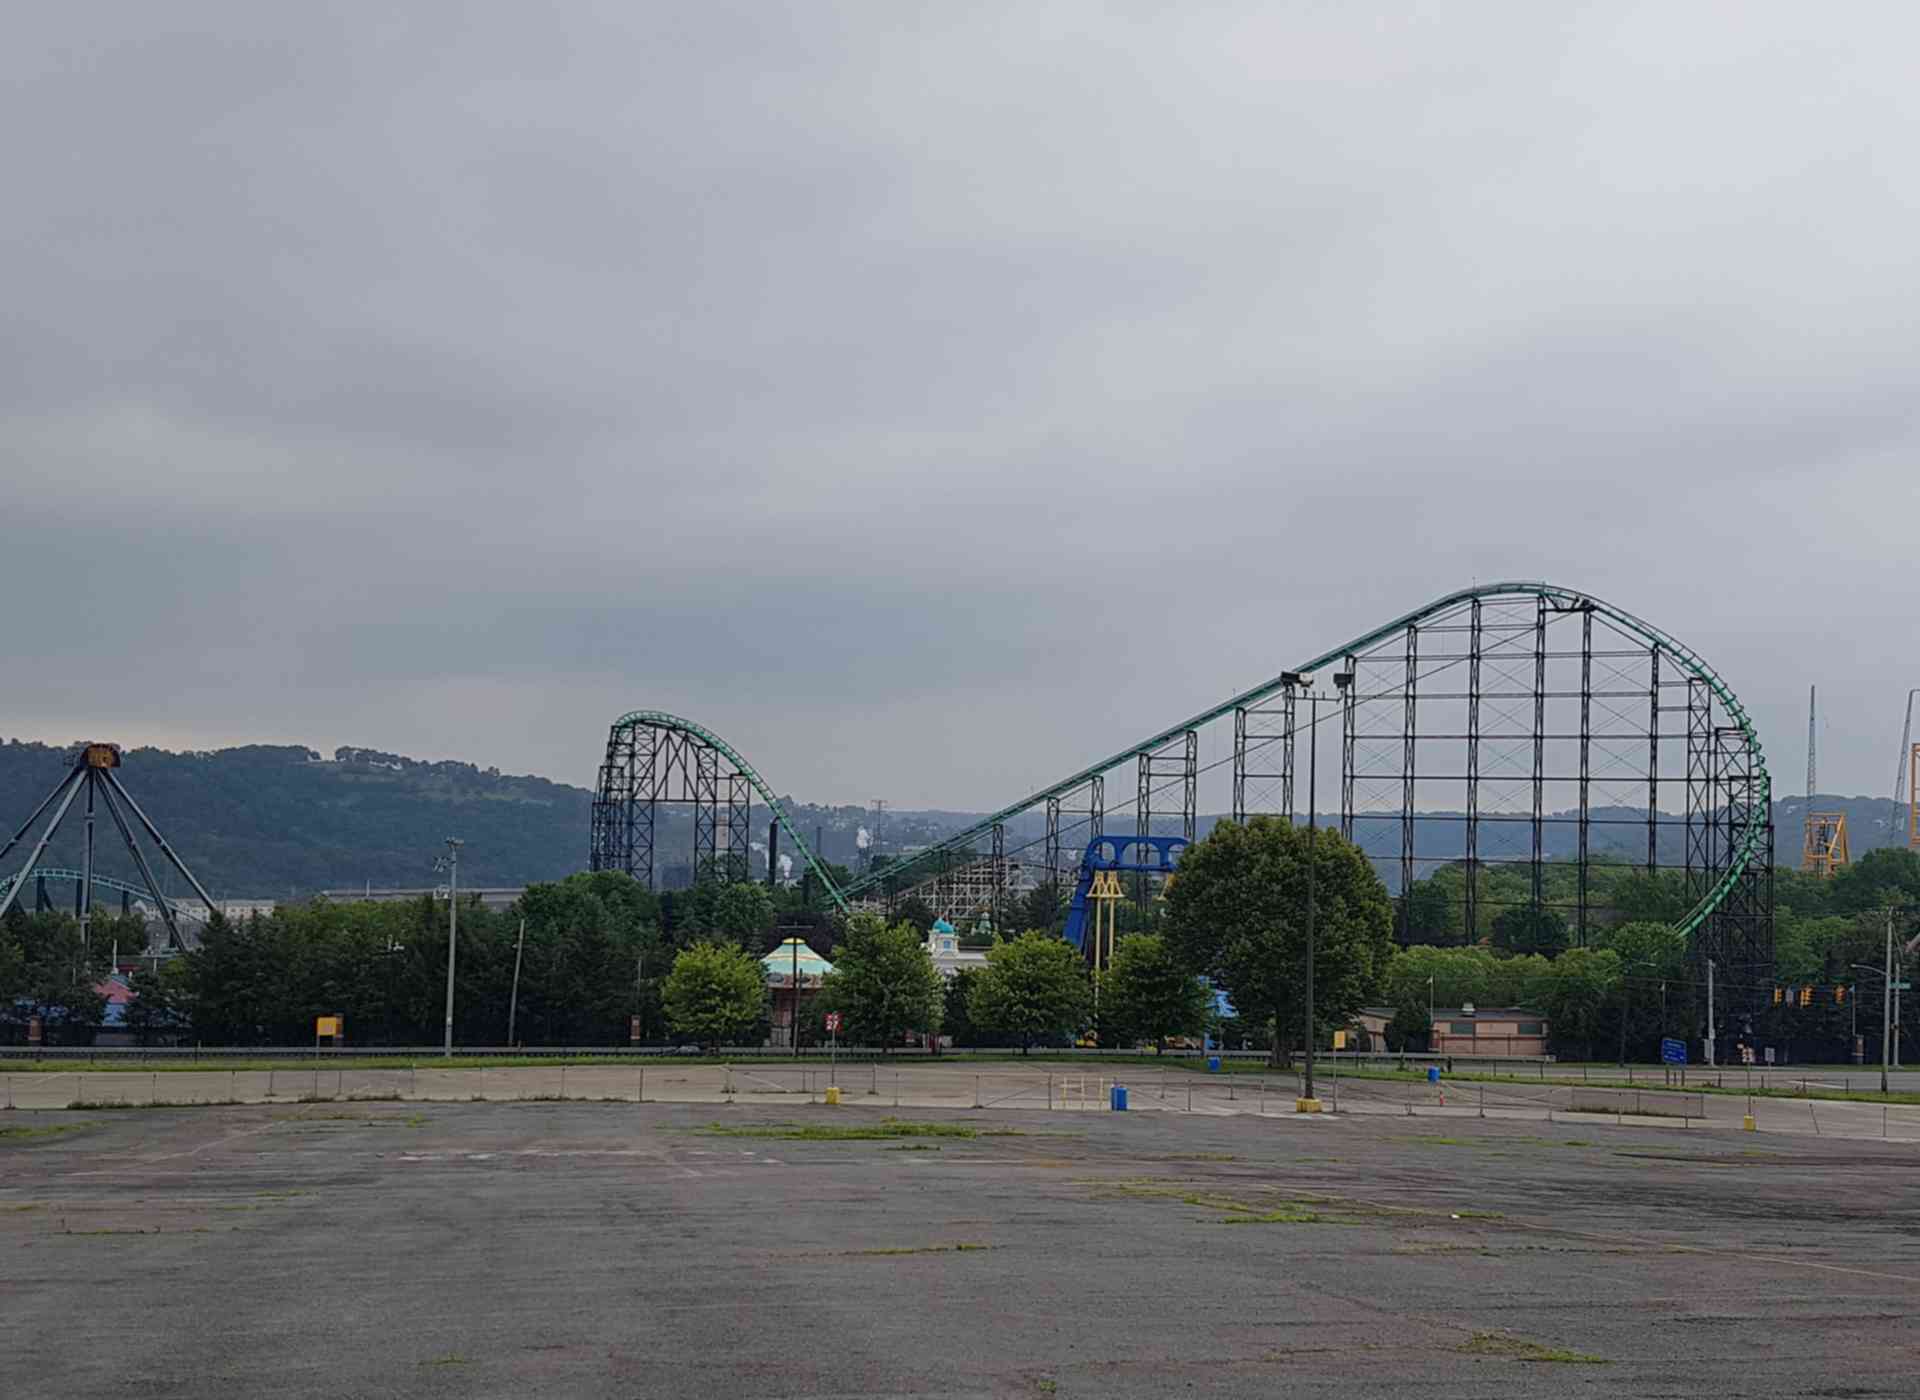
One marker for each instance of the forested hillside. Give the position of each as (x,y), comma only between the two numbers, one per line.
(273,820)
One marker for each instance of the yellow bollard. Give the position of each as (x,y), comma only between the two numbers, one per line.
(1306,1105)
(1746,1123)
(833,1093)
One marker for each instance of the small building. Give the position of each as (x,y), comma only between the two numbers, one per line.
(943,946)
(1462,1030)
(794,973)
(1487,1030)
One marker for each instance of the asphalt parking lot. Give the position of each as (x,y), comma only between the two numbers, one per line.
(546,1248)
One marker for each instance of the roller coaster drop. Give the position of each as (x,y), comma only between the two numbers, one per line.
(1504,729)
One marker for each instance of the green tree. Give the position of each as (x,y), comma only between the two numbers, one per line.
(1237,914)
(883,982)
(716,993)
(743,911)
(161,1009)
(1429,914)
(1033,987)
(1887,877)
(1043,907)
(1525,929)
(1148,994)
(1580,984)
(916,912)
(956,1019)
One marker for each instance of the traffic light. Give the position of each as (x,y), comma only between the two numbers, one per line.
(1839,996)
(1806,996)
(1778,993)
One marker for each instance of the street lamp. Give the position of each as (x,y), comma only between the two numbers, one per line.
(1341,681)
(453,930)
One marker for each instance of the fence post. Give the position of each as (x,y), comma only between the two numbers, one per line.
(976,1091)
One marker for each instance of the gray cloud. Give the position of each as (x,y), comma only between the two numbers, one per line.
(932,398)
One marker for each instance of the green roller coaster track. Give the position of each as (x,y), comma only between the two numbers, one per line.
(106,882)
(1689,660)
(1566,598)
(660,719)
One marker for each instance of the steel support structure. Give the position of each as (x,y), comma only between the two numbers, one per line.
(1476,650)
(1573,733)
(1539,863)
(649,765)
(1698,832)
(1584,860)
(93,772)
(1176,762)
(1409,782)
(1255,744)
(1349,750)
(1739,935)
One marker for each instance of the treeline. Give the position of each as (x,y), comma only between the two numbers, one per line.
(596,949)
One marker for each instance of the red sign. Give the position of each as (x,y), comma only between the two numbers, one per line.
(833,1022)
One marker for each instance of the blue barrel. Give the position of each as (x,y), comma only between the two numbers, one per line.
(1119,1098)
(1433,1074)
(1213,1064)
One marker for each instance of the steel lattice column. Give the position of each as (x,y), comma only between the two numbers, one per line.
(1698,860)
(739,826)
(1470,926)
(1539,747)
(1409,768)
(1586,765)
(1349,718)
(1653,760)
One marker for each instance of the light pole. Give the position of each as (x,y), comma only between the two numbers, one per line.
(453,930)
(1341,680)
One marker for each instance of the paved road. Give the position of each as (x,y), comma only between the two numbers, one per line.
(461,1249)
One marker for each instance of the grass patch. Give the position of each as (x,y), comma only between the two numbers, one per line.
(912,1147)
(1277,1217)
(965,1248)
(38,1132)
(1478,1215)
(887,1129)
(1511,1348)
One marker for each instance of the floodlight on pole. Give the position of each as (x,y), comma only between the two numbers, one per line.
(454,844)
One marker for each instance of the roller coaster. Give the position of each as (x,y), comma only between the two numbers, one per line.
(1520,740)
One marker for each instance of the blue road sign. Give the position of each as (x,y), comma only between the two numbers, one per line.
(1673,1052)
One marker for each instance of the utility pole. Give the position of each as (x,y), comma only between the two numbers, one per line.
(513,1002)
(1886,1009)
(1710,1060)
(453,930)
(1341,680)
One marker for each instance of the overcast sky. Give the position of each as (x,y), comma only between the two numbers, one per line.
(933,397)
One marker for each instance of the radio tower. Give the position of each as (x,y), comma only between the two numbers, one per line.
(1825,850)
